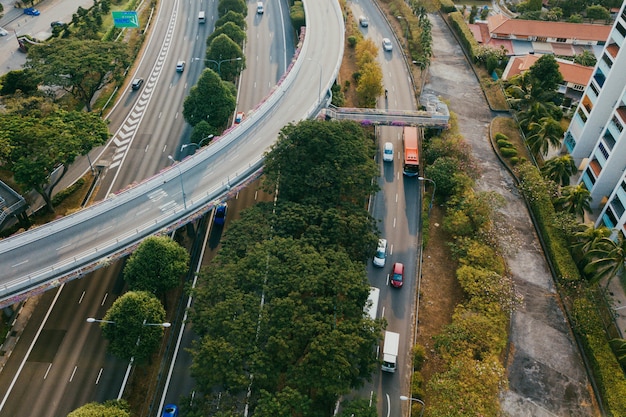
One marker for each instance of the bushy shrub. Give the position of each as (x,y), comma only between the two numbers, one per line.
(352,41)
(503,143)
(514,160)
(508,152)
(447,6)
(63,194)
(419,356)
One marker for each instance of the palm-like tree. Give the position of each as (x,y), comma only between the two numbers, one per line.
(543,134)
(586,239)
(519,91)
(559,169)
(607,259)
(574,199)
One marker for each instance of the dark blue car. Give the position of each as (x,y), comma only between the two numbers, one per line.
(220,214)
(170,410)
(31,11)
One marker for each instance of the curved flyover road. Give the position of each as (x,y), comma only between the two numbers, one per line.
(66,248)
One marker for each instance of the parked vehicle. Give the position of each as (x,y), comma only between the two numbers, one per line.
(3,32)
(390,352)
(238,117)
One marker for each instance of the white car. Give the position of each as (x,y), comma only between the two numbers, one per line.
(3,32)
(363,21)
(180,66)
(388,152)
(381,253)
(387,46)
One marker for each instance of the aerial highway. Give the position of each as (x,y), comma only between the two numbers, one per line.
(70,247)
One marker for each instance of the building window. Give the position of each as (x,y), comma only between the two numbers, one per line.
(620,29)
(617,206)
(608,214)
(582,115)
(561,40)
(609,140)
(590,176)
(607,60)
(594,89)
(623,185)
(603,150)
(617,123)
(599,77)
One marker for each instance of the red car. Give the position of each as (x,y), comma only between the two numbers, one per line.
(397,277)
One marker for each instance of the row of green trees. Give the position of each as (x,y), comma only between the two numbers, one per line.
(212,101)
(574,11)
(280,310)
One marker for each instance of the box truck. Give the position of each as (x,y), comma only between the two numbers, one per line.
(390,352)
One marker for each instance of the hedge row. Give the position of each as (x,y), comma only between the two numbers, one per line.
(536,192)
(607,371)
(447,6)
(466,36)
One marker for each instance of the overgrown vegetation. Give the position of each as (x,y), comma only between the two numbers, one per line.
(471,346)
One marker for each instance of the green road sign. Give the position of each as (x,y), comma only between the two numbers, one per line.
(125,19)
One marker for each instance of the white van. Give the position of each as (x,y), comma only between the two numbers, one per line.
(259,7)
(201,17)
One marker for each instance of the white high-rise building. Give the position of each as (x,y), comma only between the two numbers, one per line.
(596,137)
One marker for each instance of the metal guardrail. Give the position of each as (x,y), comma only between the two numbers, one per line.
(197,204)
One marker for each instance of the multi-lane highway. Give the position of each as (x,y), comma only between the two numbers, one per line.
(61,361)
(67,246)
(397,208)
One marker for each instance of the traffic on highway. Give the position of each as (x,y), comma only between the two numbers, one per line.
(65,363)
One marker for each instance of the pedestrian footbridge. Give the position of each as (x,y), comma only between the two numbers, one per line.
(434,114)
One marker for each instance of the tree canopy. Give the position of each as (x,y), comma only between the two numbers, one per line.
(230,29)
(310,334)
(322,163)
(225,57)
(133,332)
(48,139)
(80,67)
(111,408)
(211,100)
(156,266)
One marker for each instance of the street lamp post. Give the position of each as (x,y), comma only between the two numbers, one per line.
(319,86)
(180,175)
(132,359)
(417,400)
(93,320)
(219,63)
(199,144)
(430,205)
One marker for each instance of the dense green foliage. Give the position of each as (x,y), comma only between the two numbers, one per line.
(111,408)
(156,266)
(37,137)
(306,160)
(80,67)
(211,100)
(134,332)
(607,372)
(282,302)
(470,346)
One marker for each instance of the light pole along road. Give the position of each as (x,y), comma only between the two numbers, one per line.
(70,246)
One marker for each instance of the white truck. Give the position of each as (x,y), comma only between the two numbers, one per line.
(390,352)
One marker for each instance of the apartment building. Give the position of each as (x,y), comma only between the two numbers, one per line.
(596,137)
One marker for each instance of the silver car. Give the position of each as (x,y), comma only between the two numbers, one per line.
(381,253)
